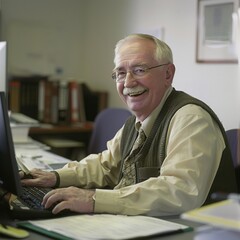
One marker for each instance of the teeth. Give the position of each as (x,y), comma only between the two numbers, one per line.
(135,93)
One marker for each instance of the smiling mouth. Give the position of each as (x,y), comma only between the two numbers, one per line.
(135,94)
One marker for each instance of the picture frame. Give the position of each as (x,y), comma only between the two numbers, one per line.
(216,31)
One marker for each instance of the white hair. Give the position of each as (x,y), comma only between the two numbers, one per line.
(162,52)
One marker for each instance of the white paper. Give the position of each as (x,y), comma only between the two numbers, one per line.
(107,226)
(38,158)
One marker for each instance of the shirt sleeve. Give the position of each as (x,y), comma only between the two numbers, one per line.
(194,149)
(96,170)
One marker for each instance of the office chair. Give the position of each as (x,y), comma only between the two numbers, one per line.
(233,136)
(106,125)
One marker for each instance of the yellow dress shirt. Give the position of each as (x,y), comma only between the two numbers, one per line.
(194,149)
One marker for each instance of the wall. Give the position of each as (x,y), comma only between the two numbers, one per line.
(43,36)
(217,84)
(91,28)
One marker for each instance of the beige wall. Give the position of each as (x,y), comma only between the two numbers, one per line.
(82,35)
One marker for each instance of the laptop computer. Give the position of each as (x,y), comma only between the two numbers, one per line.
(9,175)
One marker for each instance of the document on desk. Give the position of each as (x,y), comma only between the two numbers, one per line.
(40,159)
(224,214)
(104,226)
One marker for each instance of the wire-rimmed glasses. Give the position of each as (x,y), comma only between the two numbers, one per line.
(138,71)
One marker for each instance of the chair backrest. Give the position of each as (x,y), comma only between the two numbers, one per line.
(233,136)
(106,125)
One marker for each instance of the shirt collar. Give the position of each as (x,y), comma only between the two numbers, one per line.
(149,121)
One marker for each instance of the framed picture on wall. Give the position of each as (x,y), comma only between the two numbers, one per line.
(218,28)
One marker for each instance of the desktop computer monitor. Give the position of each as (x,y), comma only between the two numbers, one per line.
(3,56)
(9,176)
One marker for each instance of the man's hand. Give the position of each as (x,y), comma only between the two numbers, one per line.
(38,178)
(72,198)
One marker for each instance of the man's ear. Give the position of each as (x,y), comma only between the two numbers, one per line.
(168,75)
(170,72)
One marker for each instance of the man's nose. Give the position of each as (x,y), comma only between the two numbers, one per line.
(129,79)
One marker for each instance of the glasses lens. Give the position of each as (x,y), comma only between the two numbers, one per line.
(119,76)
(114,76)
(139,70)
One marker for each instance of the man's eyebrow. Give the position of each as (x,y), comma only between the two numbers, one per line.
(140,65)
(118,68)
(135,65)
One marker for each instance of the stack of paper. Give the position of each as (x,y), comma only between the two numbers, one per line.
(224,214)
(20,133)
(38,158)
(104,226)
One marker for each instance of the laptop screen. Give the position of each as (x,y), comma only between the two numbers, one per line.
(9,176)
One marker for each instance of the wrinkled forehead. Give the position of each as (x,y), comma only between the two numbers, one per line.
(135,49)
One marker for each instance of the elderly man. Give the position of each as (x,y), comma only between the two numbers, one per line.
(180,145)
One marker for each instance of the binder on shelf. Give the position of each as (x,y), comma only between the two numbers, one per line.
(54,101)
(14,96)
(94,101)
(73,102)
(24,94)
(47,103)
(63,102)
(82,113)
(41,100)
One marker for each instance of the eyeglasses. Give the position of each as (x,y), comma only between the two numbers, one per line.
(136,71)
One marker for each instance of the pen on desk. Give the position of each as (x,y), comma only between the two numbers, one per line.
(37,156)
(32,156)
(224,196)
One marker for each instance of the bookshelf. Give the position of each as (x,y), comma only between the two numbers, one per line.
(66,111)
(55,102)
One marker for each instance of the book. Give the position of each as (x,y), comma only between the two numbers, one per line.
(94,101)
(54,101)
(47,116)
(41,100)
(223,214)
(24,94)
(14,96)
(81,104)
(73,88)
(63,102)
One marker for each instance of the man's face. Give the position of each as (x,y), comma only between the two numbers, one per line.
(142,94)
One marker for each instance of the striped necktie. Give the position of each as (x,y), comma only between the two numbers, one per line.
(129,169)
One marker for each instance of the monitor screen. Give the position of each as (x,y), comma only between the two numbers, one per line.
(3,79)
(9,176)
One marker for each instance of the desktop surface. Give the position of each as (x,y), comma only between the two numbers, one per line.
(6,219)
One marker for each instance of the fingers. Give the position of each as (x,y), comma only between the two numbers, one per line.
(50,198)
(32,182)
(55,200)
(71,198)
(39,178)
(21,174)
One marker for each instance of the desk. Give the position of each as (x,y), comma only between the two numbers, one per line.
(4,218)
(78,132)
